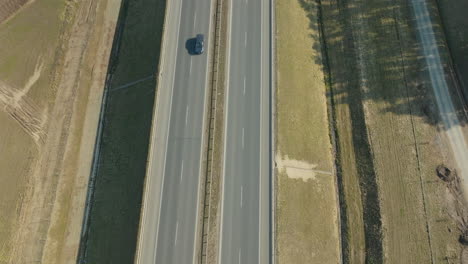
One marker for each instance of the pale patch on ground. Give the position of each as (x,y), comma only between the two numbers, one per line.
(9,7)
(296,169)
(31,81)
(21,108)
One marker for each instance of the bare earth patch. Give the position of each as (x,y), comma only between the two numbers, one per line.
(296,169)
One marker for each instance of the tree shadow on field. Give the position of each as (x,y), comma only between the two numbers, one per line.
(371,53)
(386,61)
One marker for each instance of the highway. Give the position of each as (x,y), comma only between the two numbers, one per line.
(440,87)
(244,235)
(168,225)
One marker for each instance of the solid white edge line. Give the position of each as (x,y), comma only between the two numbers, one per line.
(272,110)
(202,146)
(167,139)
(260,137)
(226,103)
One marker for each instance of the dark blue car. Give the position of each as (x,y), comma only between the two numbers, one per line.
(199,43)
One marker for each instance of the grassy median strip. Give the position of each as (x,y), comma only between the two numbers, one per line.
(307,213)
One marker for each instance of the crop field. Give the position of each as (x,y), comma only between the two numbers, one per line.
(307,211)
(9,7)
(48,122)
(25,77)
(394,208)
(112,227)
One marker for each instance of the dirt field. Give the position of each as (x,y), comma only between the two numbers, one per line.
(394,208)
(49,117)
(112,227)
(307,212)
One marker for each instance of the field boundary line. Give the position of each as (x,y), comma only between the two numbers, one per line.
(272,169)
(332,129)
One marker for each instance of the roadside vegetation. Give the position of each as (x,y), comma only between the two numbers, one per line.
(394,208)
(120,169)
(307,217)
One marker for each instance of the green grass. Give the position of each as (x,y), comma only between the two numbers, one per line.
(114,219)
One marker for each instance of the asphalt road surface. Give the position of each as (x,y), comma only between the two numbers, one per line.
(440,87)
(169,218)
(244,236)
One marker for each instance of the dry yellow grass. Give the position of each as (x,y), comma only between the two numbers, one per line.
(307,211)
(21,103)
(394,208)
(49,117)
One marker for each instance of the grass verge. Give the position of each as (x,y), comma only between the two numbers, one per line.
(307,214)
